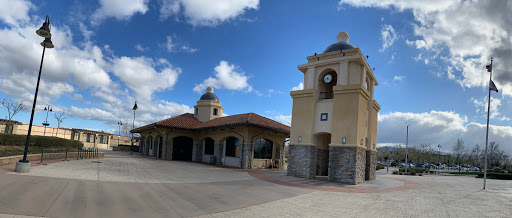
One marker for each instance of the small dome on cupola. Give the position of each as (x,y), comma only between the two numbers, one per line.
(209,96)
(342,43)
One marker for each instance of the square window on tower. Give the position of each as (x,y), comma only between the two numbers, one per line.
(215,111)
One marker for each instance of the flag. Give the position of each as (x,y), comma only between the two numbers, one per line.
(489,67)
(492,87)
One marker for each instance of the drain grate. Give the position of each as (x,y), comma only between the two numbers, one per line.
(96,161)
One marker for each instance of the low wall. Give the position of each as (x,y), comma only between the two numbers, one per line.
(37,157)
(125,148)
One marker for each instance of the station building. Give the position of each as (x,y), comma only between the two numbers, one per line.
(243,140)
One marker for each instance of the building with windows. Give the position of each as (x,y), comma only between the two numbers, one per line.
(334,117)
(243,140)
(91,139)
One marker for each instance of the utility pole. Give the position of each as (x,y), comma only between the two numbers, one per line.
(406,151)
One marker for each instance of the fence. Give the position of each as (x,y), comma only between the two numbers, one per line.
(54,154)
(87,153)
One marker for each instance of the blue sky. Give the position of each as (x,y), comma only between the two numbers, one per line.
(429,59)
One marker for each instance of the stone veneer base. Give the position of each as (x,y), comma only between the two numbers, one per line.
(302,161)
(347,164)
(371,164)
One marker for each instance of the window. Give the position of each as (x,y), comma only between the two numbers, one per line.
(196,111)
(231,144)
(263,149)
(215,111)
(103,139)
(88,139)
(209,146)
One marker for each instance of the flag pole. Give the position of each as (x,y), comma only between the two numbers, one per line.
(487,133)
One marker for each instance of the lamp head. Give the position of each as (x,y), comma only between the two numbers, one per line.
(135,106)
(45,108)
(47,43)
(44,31)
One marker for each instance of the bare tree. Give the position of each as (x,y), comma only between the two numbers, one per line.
(458,152)
(59,117)
(125,130)
(495,155)
(13,107)
(477,155)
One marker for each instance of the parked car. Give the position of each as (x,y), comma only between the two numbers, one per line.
(474,169)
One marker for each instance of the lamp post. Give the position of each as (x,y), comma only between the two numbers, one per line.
(119,137)
(133,125)
(48,108)
(23,166)
(439,155)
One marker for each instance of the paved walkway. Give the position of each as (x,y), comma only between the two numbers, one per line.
(121,185)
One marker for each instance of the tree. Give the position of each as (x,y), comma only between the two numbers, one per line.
(13,107)
(59,117)
(477,155)
(495,156)
(458,151)
(125,130)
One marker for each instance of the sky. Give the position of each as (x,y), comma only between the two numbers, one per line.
(429,59)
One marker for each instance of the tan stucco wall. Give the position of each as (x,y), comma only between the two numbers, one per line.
(40,131)
(205,110)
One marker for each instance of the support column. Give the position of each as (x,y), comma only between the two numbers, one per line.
(302,161)
(164,148)
(169,147)
(347,164)
(371,164)
(217,151)
(199,151)
(245,156)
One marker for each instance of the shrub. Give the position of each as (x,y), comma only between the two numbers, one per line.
(395,172)
(420,174)
(401,173)
(412,173)
(501,176)
(38,141)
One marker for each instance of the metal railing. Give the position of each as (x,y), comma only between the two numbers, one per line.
(326,95)
(87,153)
(54,154)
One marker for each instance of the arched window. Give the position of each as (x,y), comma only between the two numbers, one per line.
(231,144)
(263,149)
(209,145)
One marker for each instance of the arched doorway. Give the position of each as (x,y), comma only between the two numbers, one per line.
(182,148)
(263,149)
(322,141)
(209,146)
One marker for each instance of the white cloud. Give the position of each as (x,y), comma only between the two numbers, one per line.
(225,78)
(172,46)
(438,127)
(14,12)
(119,9)
(495,106)
(141,48)
(388,36)
(206,13)
(398,78)
(284,119)
(140,75)
(298,87)
(468,33)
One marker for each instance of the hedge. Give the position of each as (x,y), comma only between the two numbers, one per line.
(39,141)
(501,176)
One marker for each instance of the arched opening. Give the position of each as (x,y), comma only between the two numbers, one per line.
(322,141)
(182,148)
(231,144)
(326,81)
(263,149)
(209,146)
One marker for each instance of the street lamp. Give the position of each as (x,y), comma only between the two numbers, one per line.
(406,152)
(48,108)
(133,125)
(118,137)
(23,166)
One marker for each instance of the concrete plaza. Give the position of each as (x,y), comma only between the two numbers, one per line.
(135,186)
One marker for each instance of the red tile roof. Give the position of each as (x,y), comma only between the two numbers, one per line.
(188,121)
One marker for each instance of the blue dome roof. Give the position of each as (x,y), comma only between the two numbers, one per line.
(338,46)
(209,96)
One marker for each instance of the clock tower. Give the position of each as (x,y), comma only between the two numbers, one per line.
(334,118)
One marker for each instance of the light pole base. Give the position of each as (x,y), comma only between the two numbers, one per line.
(22,167)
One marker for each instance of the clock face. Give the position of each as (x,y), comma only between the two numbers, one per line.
(328,78)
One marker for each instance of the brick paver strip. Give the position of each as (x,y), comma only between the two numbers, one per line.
(407,185)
